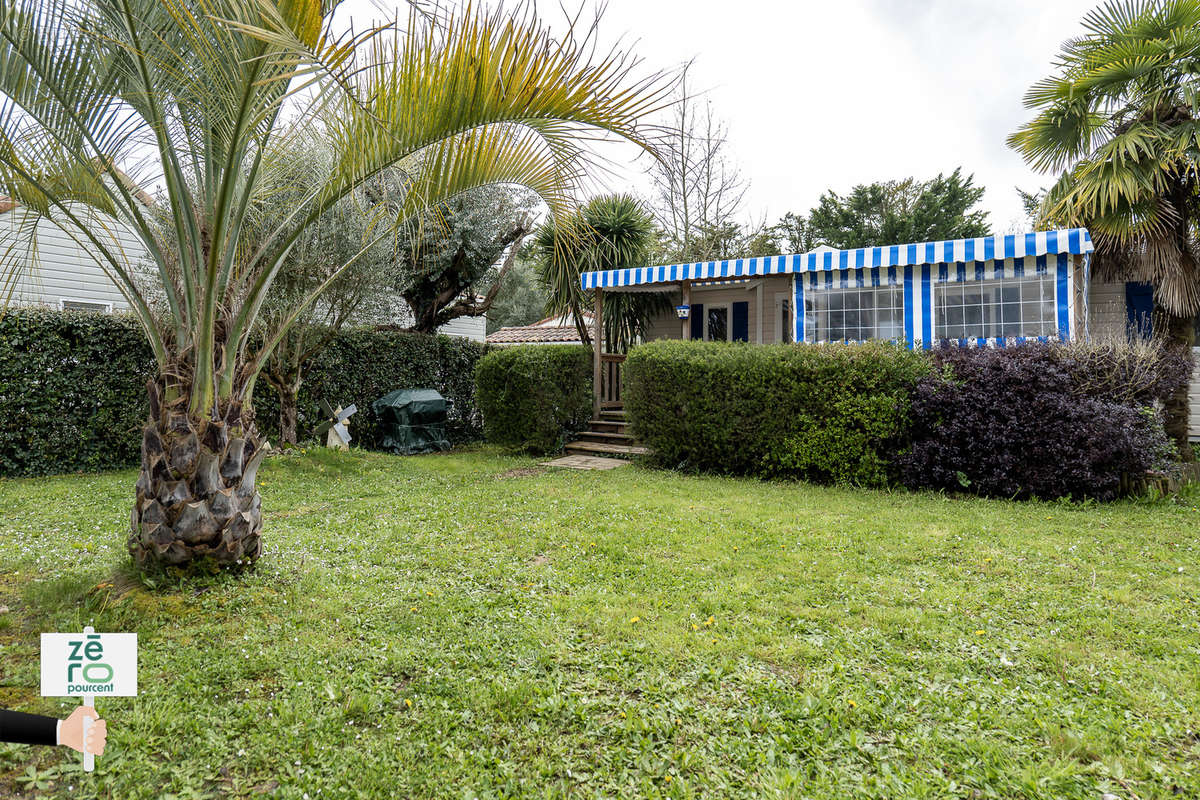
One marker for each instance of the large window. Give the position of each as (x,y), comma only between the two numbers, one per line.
(996,309)
(839,315)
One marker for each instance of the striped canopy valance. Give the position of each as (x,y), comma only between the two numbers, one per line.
(999,269)
(957,253)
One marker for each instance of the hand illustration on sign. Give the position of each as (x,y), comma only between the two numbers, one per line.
(17,727)
(84,665)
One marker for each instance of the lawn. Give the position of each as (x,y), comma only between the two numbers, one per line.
(472,626)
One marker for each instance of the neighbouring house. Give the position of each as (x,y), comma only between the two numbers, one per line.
(551,330)
(994,291)
(62,274)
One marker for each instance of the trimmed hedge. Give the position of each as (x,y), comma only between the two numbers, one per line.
(1041,421)
(828,413)
(362,365)
(533,398)
(73,387)
(72,391)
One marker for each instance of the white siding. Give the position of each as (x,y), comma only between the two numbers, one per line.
(473,328)
(1106,309)
(60,269)
(1194,398)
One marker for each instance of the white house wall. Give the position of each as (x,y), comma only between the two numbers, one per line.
(60,269)
(1106,307)
(473,328)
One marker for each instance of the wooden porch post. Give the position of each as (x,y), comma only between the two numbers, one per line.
(687,301)
(758,297)
(597,349)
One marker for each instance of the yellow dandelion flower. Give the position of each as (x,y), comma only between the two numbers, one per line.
(623,716)
(667,779)
(634,620)
(708,622)
(408,702)
(714,641)
(414,608)
(695,627)
(852,704)
(979,633)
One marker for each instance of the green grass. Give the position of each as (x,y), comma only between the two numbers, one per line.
(626,633)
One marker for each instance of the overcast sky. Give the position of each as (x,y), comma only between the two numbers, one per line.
(825,95)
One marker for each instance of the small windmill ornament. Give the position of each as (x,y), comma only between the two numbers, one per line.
(336,425)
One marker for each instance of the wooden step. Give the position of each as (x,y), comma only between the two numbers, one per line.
(605,449)
(613,413)
(610,425)
(605,436)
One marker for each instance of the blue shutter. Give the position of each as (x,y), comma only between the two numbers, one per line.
(741,322)
(697,317)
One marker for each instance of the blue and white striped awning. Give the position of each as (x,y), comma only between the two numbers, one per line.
(1075,241)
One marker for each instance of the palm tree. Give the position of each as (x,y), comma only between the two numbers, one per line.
(1119,119)
(610,232)
(199,98)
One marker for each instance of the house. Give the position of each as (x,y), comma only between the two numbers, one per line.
(995,291)
(551,330)
(63,275)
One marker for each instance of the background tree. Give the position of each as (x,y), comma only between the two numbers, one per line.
(1118,119)
(453,260)
(196,97)
(364,294)
(698,188)
(611,232)
(793,234)
(522,297)
(896,211)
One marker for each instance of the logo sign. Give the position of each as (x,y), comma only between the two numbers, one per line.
(96,664)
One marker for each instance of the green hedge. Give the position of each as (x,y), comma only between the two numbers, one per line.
(534,397)
(362,365)
(72,391)
(830,413)
(73,387)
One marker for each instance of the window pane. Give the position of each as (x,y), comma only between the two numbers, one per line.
(992,308)
(1010,316)
(717,327)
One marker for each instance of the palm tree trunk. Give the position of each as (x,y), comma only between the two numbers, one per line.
(196,495)
(1180,336)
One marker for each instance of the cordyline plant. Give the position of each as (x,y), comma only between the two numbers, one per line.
(1120,120)
(197,98)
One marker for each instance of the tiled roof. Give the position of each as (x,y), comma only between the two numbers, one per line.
(531,334)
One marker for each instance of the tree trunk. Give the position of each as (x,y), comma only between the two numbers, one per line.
(1179,336)
(288,411)
(196,495)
